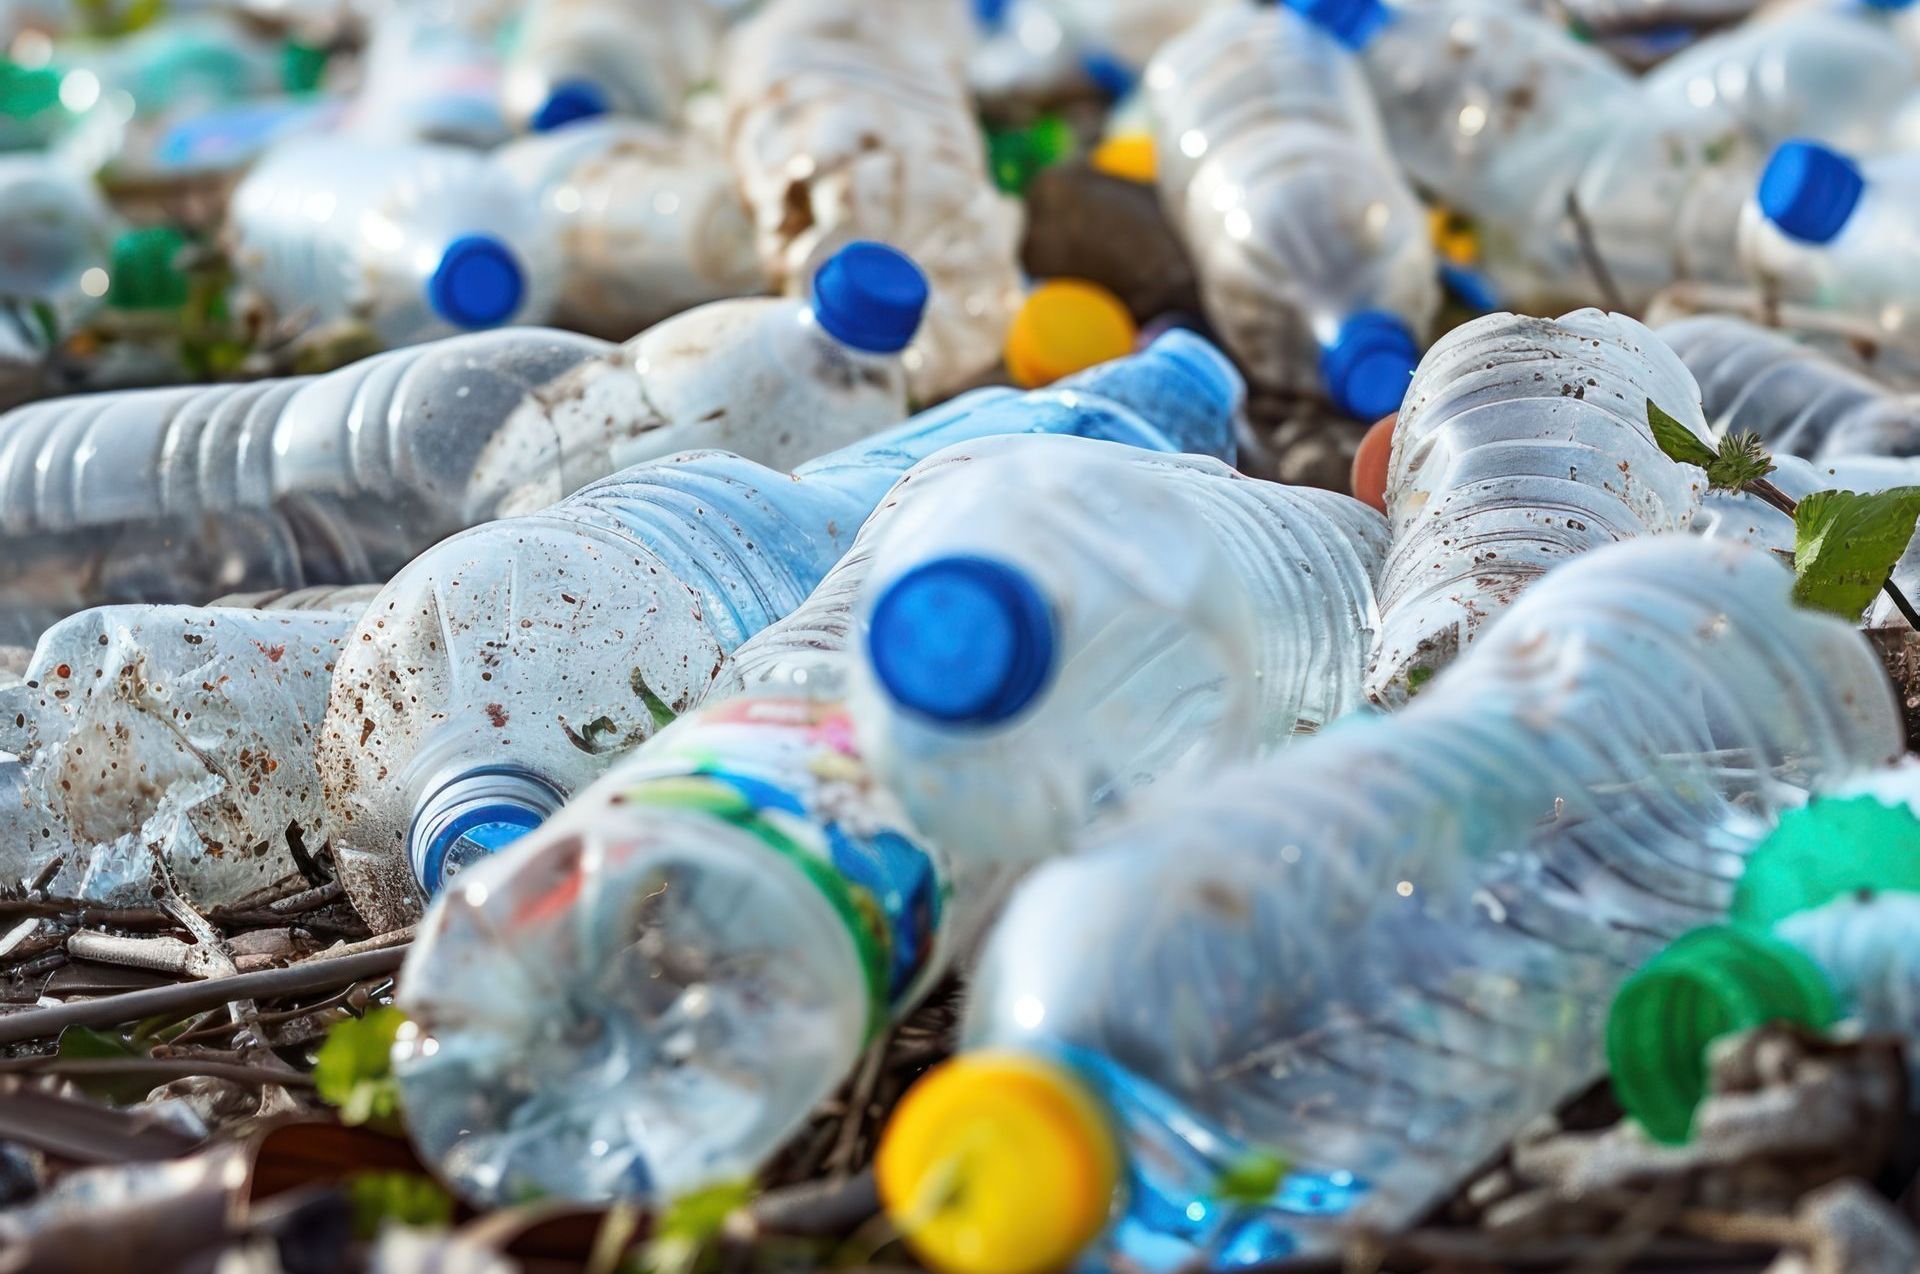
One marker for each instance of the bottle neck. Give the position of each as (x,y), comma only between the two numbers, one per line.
(471,815)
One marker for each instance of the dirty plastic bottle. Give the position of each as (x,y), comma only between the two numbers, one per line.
(189,729)
(350,599)
(1314,256)
(772,379)
(511,664)
(850,119)
(1028,631)
(1377,955)
(577,59)
(1523,442)
(647,219)
(1799,401)
(1825,231)
(1832,72)
(414,240)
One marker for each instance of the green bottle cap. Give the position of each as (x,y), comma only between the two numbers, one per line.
(27,91)
(302,66)
(144,271)
(1016,155)
(1708,984)
(1831,847)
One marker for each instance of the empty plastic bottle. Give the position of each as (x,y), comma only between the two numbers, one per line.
(183,736)
(433,73)
(647,220)
(1831,72)
(54,237)
(576,59)
(414,240)
(1523,442)
(351,599)
(509,665)
(850,119)
(1314,256)
(1798,400)
(1376,956)
(1033,639)
(1826,232)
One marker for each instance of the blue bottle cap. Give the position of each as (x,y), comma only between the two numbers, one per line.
(478,282)
(1809,191)
(1211,373)
(990,15)
(570,100)
(1888,6)
(870,296)
(476,833)
(1352,22)
(962,640)
(1113,77)
(1369,364)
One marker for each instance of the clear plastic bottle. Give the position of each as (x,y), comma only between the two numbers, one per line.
(57,232)
(186,729)
(851,119)
(431,72)
(1799,401)
(1051,627)
(1524,442)
(512,664)
(774,380)
(1376,956)
(1314,256)
(414,240)
(647,219)
(1826,232)
(575,59)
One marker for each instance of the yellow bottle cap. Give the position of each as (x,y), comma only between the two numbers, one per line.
(997,1163)
(1129,156)
(1065,326)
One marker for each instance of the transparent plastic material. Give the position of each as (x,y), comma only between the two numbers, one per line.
(1831,72)
(1799,401)
(1577,790)
(1868,946)
(432,72)
(183,494)
(1194,617)
(56,230)
(628,57)
(1868,271)
(546,645)
(647,220)
(850,119)
(351,599)
(416,241)
(1273,164)
(170,735)
(1523,442)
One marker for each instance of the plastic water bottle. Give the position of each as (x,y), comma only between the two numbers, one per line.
(187,493)
(512,664)
(1314,256)
(1829,71)
(1378,954)
(1799,401)
(648,222)
(850,119)
(55,236)
(1523,442)
(349,599)
(431,72)
(183,728)
(1827,232)
(576,59)
(774,380)
(1049,628)
(414,240)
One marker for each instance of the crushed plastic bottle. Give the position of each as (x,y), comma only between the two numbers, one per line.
(1313,254)
(416,241)
(1377,955)
(1050,627)
(1799,401)
(647,220)
(514,663)
(577,59)
(850,119)
(183,736)
(1524,441)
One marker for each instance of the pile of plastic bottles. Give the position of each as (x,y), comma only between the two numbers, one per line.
(731,516)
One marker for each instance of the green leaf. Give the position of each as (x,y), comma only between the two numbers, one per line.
(1416,679)
(1252,1178)
(78,1043)
(1845,544)
(657,708)
(404,1198)
(1741,459)
(1678,441)
(690,1224)
(353,1069)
